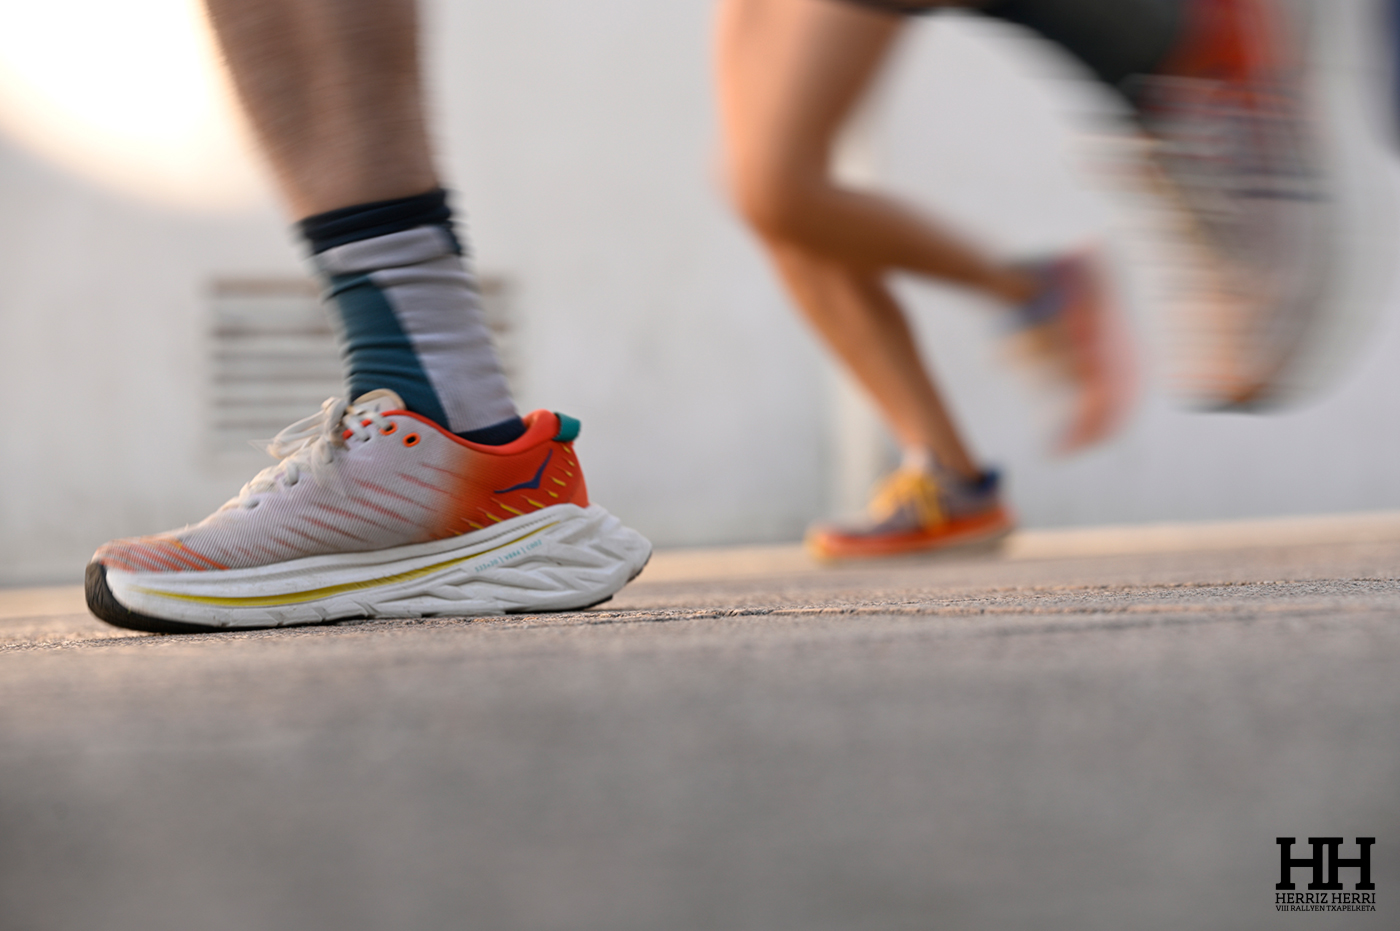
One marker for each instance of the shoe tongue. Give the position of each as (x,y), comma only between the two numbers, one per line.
(377,401)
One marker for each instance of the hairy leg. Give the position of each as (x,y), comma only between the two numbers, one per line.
(334,93)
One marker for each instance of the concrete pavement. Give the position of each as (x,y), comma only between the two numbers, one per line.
(1090,729)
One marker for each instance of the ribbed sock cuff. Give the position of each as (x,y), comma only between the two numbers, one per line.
(378,218)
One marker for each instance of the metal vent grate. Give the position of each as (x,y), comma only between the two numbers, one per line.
(273,355)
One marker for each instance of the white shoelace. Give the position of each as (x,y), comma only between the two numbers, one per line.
(308,447)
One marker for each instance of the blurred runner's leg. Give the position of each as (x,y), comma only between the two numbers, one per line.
(790,72)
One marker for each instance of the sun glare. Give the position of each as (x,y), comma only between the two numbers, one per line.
(128,95)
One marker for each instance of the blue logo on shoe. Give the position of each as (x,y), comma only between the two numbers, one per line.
(532,483)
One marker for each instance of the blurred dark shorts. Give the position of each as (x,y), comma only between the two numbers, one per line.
(1117,40)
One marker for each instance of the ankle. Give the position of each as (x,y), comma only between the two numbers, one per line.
(925,460)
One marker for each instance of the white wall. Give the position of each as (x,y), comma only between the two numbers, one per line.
(582,139)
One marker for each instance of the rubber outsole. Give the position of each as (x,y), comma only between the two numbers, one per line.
(105,606)
(102,603)
(979,537)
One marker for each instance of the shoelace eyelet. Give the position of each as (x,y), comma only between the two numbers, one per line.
(388,428)
(411,439)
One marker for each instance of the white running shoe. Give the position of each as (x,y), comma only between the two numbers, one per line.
(377,512)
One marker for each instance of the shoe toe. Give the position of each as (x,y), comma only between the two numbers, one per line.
(102,603)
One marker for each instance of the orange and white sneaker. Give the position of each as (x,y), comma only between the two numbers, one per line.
(377,512)
(915,511)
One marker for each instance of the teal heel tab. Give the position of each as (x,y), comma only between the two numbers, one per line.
(568,428)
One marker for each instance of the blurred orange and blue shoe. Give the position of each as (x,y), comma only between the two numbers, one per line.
(1237,157)
(916,511)
(374,511)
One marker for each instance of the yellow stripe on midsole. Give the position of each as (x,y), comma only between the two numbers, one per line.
(269,601)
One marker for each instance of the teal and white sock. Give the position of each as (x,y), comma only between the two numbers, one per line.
(408,316)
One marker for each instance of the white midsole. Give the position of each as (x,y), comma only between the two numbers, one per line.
(554,559)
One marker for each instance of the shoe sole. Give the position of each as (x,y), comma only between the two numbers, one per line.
(965,536)
(560,558)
